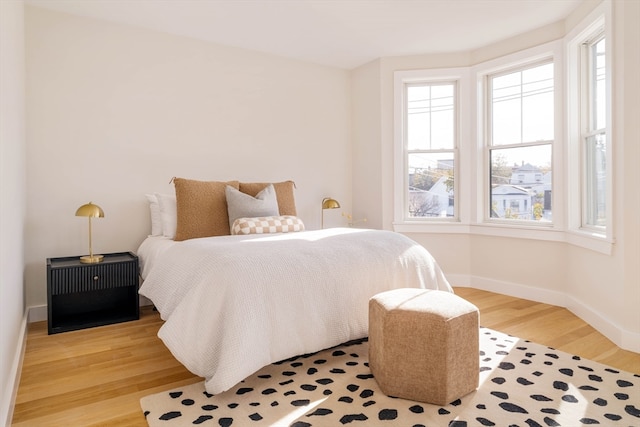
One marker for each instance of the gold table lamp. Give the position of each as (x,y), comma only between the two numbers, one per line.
(328,203)
(92,211)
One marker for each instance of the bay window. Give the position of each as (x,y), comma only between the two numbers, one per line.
(522,149)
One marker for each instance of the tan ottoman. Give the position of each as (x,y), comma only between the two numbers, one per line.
(424,345)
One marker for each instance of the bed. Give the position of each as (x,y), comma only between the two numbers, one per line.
(232,304)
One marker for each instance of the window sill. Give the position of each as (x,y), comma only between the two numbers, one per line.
(584,239)
(541,232)
(590,240)
(449,227)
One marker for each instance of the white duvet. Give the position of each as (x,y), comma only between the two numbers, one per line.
(233,304)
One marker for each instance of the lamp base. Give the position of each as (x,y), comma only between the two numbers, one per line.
(91,259)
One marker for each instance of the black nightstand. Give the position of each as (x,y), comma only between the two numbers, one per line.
(86,295)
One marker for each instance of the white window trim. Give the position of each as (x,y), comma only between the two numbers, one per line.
(471,196)
(544,231)
(587,237)
(462,177)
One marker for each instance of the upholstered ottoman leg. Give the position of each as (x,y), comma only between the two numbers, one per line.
(424,345)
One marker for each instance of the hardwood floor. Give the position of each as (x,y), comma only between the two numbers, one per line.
(95,377)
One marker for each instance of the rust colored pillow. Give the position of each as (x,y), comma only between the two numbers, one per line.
(201,208)
(284,194)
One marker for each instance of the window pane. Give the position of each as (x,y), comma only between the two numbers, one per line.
(537,104)
(595,145)
(442,117)
(431,190)
(505,109)
(521,183)
(522,106)
(600,90)
(506,121)
(537,117)
(418,117)
(596,179)
(430,117)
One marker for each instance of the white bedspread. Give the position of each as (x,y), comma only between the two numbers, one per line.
(234,304)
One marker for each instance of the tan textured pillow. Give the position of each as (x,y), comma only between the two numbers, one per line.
(201,208)
(284,194)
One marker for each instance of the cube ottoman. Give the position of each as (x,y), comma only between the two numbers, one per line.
(424,344)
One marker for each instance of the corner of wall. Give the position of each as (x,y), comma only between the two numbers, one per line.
(11,388)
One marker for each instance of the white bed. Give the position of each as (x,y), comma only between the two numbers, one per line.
(233,304)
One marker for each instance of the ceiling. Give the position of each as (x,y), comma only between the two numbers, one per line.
(337,33)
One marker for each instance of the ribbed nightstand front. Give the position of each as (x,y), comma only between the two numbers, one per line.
(86,295)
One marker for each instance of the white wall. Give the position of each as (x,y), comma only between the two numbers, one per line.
(629,158)
(610,285)
(114,112)
(603,289)
(367,143)
(12,197)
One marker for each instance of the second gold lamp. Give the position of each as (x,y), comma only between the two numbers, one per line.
(328,203)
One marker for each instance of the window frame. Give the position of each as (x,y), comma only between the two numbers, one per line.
(489,146)
(430,151)
(549,52)
(588,130)
(402,222)
(597,238)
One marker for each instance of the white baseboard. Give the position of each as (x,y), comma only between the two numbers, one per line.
(37,313)
(508,288)
(624,339)
(532,293)
(459,280)
(7,405)
(630,341)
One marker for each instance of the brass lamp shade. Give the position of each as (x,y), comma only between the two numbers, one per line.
(91,211)
(328,203)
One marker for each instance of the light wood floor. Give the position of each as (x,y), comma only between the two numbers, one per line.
(95,377)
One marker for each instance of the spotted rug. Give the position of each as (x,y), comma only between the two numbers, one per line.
(521,384)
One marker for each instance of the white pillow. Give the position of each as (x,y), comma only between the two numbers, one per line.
(241,205)
(156,219)
(168,214)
